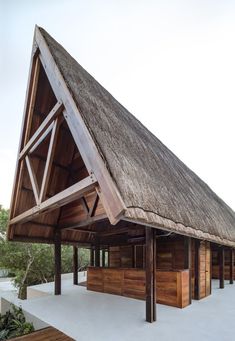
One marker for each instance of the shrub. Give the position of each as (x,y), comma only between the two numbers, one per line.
(13,324)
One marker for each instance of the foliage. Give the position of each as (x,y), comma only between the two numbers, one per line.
(13,324)
(33,263)
(3,222)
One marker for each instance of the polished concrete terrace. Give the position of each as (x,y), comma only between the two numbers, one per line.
(88,316)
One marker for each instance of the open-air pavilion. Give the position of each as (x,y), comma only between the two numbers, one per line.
(91,175)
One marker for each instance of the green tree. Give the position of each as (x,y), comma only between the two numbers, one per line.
(33,263)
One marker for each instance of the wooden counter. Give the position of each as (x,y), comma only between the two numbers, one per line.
(172,286)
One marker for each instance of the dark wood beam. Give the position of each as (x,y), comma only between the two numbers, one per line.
(97,256)
(188,262)
(197,270)
(92,257)
(57,262)
(69,194)
(75,265)
(150,275)
(103,258)
(221,267)
(231,266)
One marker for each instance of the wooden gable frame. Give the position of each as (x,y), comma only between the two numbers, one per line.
(99,178)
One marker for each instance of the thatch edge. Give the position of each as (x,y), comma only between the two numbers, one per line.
(151,219)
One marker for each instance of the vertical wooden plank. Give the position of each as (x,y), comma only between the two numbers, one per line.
(154,275)
(197,270)
(150,272)
(57,248)
(92,258)
(188,263)
(221,267)
(231,266)
(75,265)
(103,258)
(134,256)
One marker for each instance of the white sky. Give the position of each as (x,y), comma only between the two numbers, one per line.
(171,63)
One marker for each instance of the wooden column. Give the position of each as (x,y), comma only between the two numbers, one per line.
(188,262)
(221,267)
(103,258)
(57,248)
(75,265)
(231,266)
(197,270)
(92,258)
(150,270)
(97,256)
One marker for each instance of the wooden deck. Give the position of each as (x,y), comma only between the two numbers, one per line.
(46,334)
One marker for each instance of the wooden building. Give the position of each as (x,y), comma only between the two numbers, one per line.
(90,174)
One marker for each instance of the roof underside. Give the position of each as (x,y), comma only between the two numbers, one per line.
(157,188)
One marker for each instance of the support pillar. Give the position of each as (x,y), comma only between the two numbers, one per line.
(150,270)
(97,256)
(188,263)
(221,267)
(75,265)
(231,266)
(197,270)
(57,249)
(92,258)
(103,258)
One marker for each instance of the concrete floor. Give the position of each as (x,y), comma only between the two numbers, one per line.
(88,316)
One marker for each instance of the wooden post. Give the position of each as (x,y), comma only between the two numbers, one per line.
(231,266)
(75,265)
(197,270)
(188,263)
(57,248)
(150,269)
(97,256)
(221,267)
(103,258)
(92,258)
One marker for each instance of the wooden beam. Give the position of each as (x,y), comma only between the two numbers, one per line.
(33,180)
(231,266)
(221,267)
(57,262)
(84,223)
(150,273)
(197,270)
(40,140)
(58,108)
(50,156)
(69,194)
(188,263)
(25,127)
(93,208)
(75,265)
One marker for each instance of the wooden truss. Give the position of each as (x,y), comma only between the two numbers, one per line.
(50,124)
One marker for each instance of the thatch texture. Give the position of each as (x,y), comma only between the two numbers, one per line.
(157,188)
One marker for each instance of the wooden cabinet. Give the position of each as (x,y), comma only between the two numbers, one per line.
(172,286)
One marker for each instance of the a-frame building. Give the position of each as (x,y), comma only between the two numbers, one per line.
(89,173)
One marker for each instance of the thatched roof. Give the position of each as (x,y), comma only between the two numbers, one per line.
(157,188)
